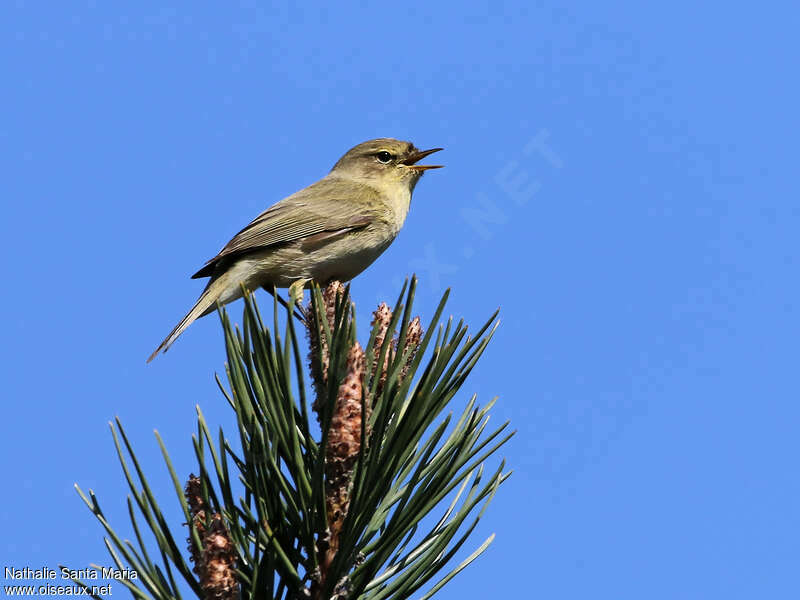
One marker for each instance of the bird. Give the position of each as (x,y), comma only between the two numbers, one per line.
(331,230)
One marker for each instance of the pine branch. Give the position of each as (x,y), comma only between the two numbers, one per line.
(281,512)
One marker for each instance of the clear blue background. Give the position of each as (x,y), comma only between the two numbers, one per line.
(649,290)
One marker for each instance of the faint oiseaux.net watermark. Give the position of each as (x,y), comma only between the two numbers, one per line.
(488,214)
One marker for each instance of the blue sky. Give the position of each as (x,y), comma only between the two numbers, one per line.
(620,179)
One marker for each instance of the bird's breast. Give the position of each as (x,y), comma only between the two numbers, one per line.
(397,207)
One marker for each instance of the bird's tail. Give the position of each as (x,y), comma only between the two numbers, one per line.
(217,289)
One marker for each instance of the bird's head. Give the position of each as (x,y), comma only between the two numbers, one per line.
(385,161)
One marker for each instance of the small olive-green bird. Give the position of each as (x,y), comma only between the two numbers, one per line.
(333,229)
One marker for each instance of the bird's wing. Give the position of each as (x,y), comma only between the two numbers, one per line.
(329,205)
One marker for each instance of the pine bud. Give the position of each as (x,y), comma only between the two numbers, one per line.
(219,582)
(318,356)
(197,511)
(383,317)
(344,444)
(413,339)
(214,562)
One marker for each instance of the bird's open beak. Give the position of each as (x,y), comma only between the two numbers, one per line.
(411,161)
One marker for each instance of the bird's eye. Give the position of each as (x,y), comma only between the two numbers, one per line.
(384,156)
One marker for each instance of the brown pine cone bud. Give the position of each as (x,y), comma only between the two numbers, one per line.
(344,444)
(219,577)
(197,510)
(413,339)
(382,316)
(318,357)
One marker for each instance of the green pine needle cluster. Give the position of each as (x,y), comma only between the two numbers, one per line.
(258,514)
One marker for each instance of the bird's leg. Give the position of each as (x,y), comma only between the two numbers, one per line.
(298,311)
(296,296)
